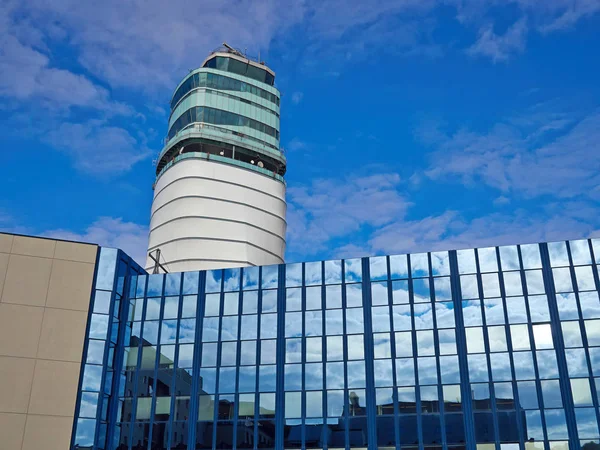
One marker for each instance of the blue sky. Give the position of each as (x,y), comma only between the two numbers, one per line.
(409,125)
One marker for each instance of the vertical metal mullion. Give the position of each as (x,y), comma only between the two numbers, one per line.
(390,291)
(582,328)
(369,356)
(486,344)
(238,361)
(119,353)
(461,344)
(324,332)
(323,354)
(594,390)
(302,355)
(508,335)
(258,357)
(583,331)
(436,346)
(218,368)
(136,375)
(194,396)
(280,361)
(538,383)
(106,356)
(345,350)
(413,335)
(157,360)
(559,347)
(171,421)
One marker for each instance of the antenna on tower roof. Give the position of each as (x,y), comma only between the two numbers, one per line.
(232,50)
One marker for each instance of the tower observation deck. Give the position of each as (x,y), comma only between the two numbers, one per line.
(219,194)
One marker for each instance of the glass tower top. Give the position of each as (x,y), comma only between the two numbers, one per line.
(227,110)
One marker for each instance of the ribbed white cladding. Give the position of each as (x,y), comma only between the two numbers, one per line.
(208,215)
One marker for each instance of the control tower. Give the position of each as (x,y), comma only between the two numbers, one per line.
(219,194)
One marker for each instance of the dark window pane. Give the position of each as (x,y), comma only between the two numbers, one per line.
(386,436)
(455,430)
(408,430)
(179,432)
(484,427)
(432,431)
(314,435)
(292,434)
(357,429)
(141,432)
(225,436)
(160,436)
(335,435)
(507,427)
(204,431)
(245,435)
(266,432)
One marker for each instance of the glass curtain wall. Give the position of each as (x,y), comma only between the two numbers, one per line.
(482,349)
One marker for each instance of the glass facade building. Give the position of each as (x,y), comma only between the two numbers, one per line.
(483,349)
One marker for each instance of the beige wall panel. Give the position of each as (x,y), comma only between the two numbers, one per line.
(54,390)
(47,433)
(30,246)
(12,427)
(62,336)
(74,251)
(16,375)
(6,241)
(70,285)
(27,280)
(3,268)
(20,330)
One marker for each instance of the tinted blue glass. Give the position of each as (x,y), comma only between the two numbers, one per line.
(92,377)
(325,347)
(190,282)
(455,431)
(527,395)
(84,435)
(408,429)
(484,427)
(173,284)
(432,432)
(105,278)
(587,425)
(102,302)
(556,424)
(508,429)
(155,285)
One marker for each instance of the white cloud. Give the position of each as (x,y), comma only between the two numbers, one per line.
(501,200)
(555,15)
(98,148)
(26,75)
(151,44)
(130,237)
(527,158)
(295,144)
(328,209)
(500,48)
(546,16)
(27,71)
(451,231)
(357,216)
(297,97)
(148,46)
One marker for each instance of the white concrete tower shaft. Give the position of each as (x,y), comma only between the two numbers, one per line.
(219,196)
